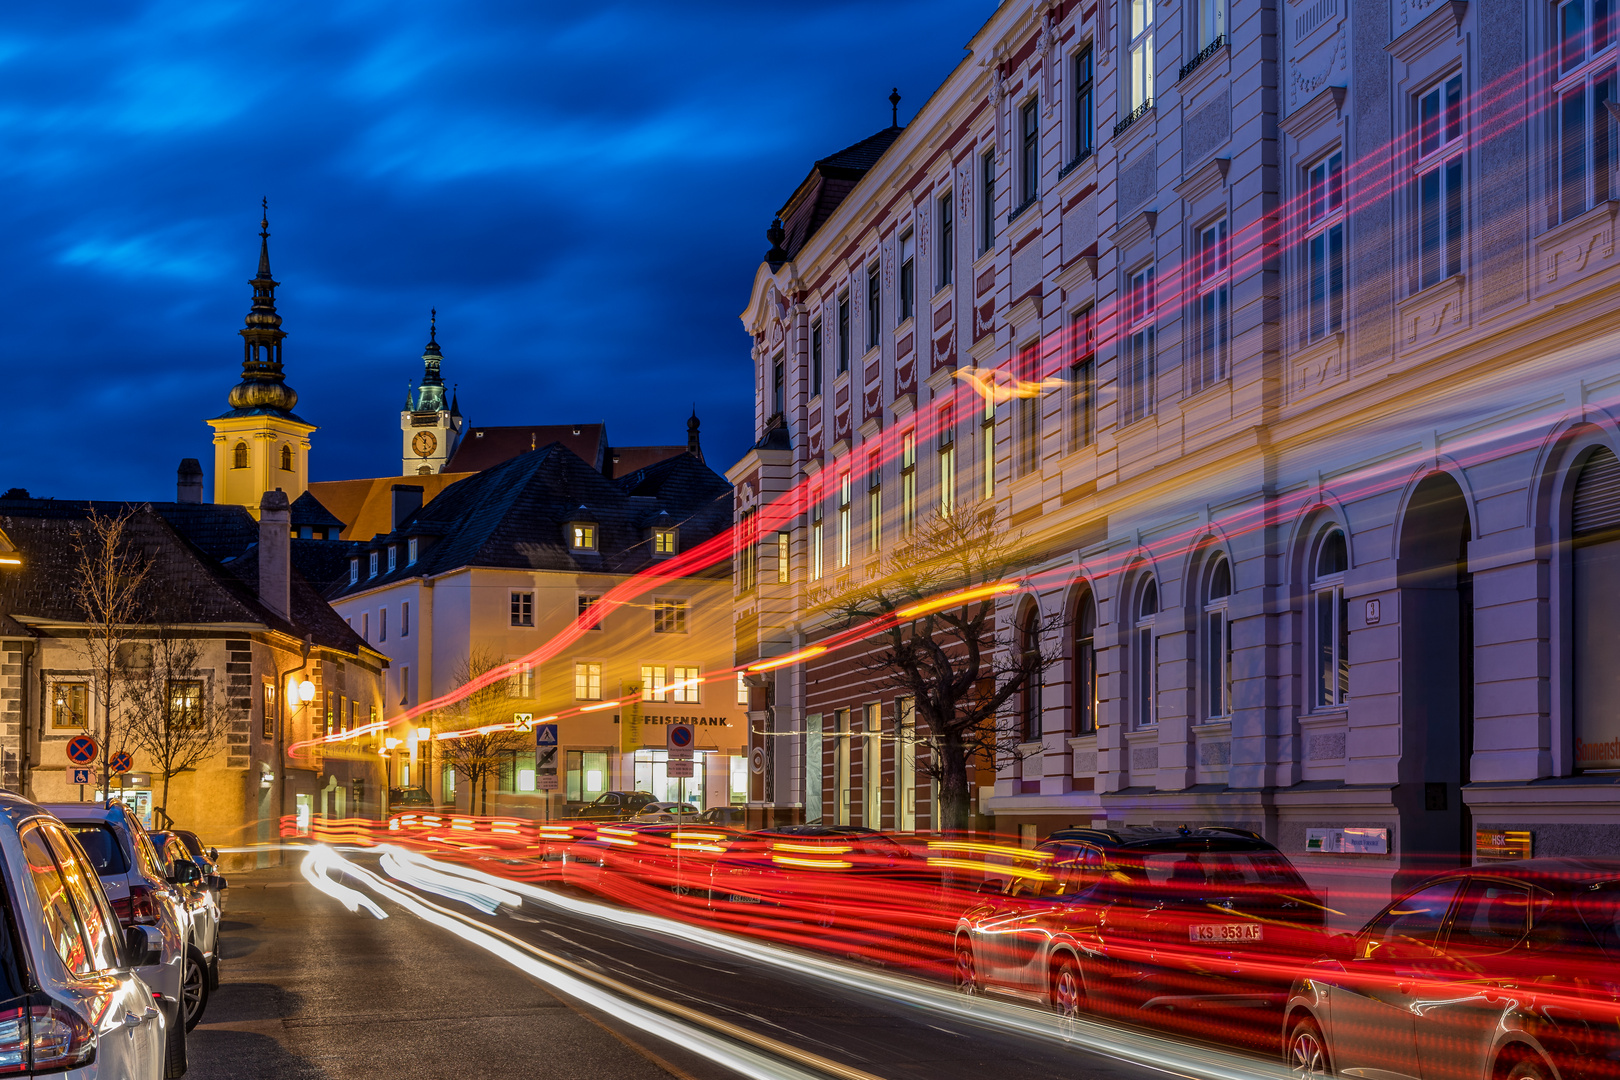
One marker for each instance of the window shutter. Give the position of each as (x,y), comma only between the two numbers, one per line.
(1597,495)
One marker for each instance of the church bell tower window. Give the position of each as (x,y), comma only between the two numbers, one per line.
(286,458)
(240,458)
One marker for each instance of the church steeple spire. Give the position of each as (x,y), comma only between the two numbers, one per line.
(430,395)
(263,386)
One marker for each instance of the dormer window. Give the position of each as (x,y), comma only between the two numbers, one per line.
(393,557)
(410,552)
(583,536)
(663,541)
(354,571)
(373,564)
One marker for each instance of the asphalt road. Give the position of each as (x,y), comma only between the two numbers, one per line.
(309,989)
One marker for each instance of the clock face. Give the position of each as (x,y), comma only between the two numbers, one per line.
(424,443)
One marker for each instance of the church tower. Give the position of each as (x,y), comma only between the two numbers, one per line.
(260,444)
(431,430)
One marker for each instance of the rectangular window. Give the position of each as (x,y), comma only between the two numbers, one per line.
(987,446)
(267,709)
(1147,676)
(908,482)
(365,625)
(669,616)
(747,554)
(684,683)
(1211,305)
(1217,663)
(874,503)
(331,711)
(1030,158)
(1140,372)
(70,705)
(663,541)
(522,609)
(1084,119)
(1085,679)
(1324,247)
(584,537)
(1211,23)
(815,358)
(405,684)
(393,554)
(779,386)
(1029,409)
(654,682)
(742,690)
(1141,48)
(783,541)
(354,571)
(908,277)
(410,551)
(874,306)
(382,624)
(987,200)
(405,619)
(1585,156)
(947,243)
(843,332)
(1332,630)
(1082,380)
(844,523)
(520,684)
(1438,181)
(373,564)
(587,681)
(585,603)
(817,549)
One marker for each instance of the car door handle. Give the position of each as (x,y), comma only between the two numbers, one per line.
(131,1020)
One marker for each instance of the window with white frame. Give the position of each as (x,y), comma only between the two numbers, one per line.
(683,685)
(1140,372)
(908,481)
(908,276)
(654,682)
(587,680)
(1330,623)
(1324,247)
(664,542)
(1084,105)
(1027,412)
(845,524)
(1210,17)
(1085,666)
(779,385)
(987,445)
(354,571)
(1584,82)
(947,458)
(1141,51)
(1217,651)
(410,551)
(522,608)
(584,536)
(393,557)
(1029,157)
(669,616)
(1145,656)
(747,553)
(1082,379)
(520,684)
(817,539)
(874,503)
(784,542)
(946,249)
(1211,307)
(742,690)
(373,564)
(1437,181)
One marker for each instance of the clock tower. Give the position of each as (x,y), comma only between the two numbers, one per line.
(431,431)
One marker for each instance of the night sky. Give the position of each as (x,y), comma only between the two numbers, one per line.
(582,191)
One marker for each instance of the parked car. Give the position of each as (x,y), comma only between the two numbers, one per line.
(734,816)
(409,798)
(1209,921)
(610,806)
(190,880)
(71,1000)
(142,895)
(663,812)
(208,859)
(1504,970)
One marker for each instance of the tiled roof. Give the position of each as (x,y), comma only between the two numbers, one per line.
(308,510)
(830,181)
(518,513)
(368,505)
(623,460)
(223,530)
(485,447)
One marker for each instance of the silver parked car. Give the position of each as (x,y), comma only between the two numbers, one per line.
(141,894)
(190,880)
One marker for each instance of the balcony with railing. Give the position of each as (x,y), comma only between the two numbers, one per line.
(1135,115)
(1209,50)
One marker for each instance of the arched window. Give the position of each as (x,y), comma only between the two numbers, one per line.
(1595,623)
(1217,673)
(1145,655)
(286,457)
(1330,623)
(1029,634)
(239,456)
(1085,666)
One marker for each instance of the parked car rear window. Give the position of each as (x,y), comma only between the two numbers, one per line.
(101,844)
(1218,868)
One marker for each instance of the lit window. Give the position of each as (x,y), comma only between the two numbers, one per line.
(742,690)
(669,616)
(782,545)
(410,552)
(947,459)
(663,541)
(1141,47)
(584,537)
(587,681)
(683,685)
(654,682)
(520,684)
(843,520)
(874,503)
(522,608)
(70,704)
(747,554)
(987,448)
(908,482)
(186,704)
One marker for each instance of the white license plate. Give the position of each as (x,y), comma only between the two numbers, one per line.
(1226,932)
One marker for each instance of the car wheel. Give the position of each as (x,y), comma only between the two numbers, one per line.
(967,975)
(194,988)
(1527,1068)
(1068,989)
(174,1051)
(1307,1053)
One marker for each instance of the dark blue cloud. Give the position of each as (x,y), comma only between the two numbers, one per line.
(581,190)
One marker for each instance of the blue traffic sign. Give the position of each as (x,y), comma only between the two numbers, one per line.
(680,736)
(82,750)
(81,776)
(123,761)
(545,735)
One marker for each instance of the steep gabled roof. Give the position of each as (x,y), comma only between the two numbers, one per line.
(307,510)
(830,181)
(485,447)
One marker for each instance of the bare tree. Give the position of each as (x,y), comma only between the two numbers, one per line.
(174,716)
(472,736)
(110,571)
(938,644)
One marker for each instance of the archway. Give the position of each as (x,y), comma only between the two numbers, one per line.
(1437,677)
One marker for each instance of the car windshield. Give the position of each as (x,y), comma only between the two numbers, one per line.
(101,844)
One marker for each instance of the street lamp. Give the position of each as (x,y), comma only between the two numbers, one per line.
(306,691)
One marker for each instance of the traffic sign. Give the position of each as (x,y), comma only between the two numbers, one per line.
(679,767)
(545,757)
(123,761)
(82,750)
(522,721)
(682,737)
(81,776)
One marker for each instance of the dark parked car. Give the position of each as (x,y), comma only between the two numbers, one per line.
(409,798)
(208,859)
(610,806)
(724,815)
(1508,970)
(1210,920)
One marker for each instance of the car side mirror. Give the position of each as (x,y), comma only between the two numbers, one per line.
(213,854)
(143,946)
(217,882)
(993,885)
(184,872)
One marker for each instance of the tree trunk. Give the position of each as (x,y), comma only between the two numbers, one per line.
(954,798)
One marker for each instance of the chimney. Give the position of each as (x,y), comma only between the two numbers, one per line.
(407,501)
(188,484)
(275,553)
